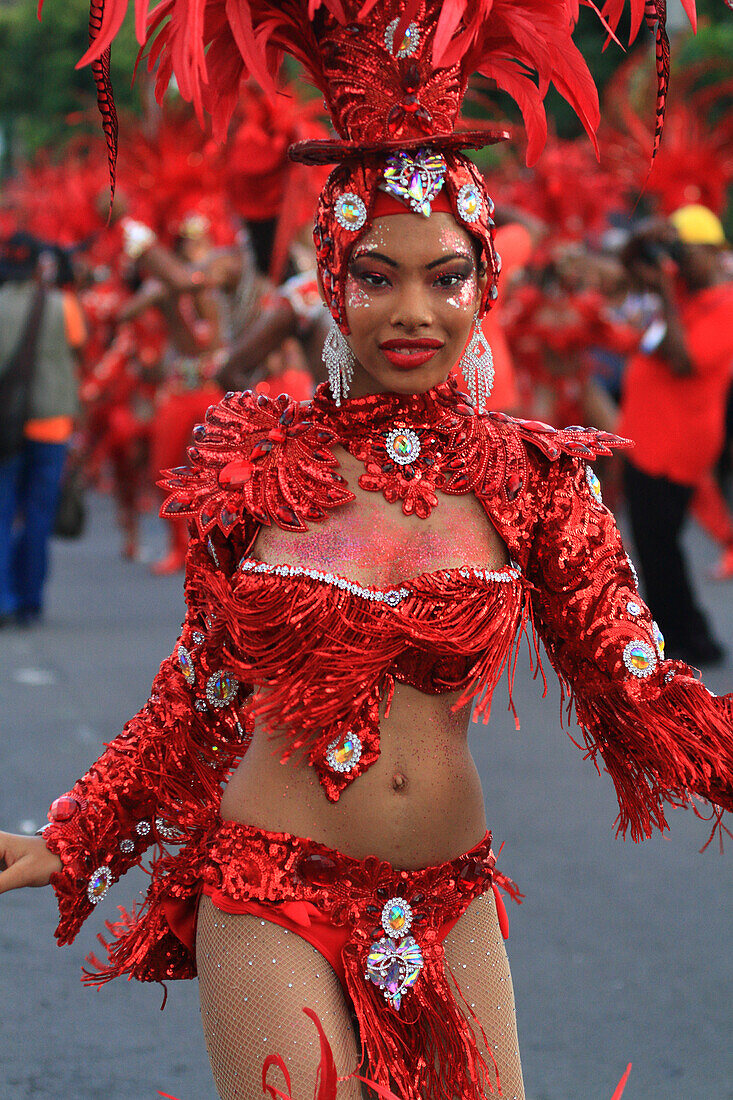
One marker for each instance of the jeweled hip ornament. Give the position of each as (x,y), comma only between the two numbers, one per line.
(394,967)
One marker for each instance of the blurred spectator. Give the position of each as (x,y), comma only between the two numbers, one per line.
(673,407)
(37,321)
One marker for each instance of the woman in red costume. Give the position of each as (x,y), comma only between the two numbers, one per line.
(360,568)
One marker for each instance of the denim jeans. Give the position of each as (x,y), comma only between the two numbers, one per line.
(29,494)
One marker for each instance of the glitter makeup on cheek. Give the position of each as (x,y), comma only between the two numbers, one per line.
(464,295)
(357,297)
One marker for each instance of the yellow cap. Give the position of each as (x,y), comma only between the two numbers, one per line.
(695,224)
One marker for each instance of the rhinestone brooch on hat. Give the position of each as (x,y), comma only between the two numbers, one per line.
(349,211)
(403,446)
(416,179)
(410,40)
(469,203)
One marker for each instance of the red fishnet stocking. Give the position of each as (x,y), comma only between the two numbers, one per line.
(255,978)
(476,956)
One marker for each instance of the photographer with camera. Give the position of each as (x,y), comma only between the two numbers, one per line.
(673,407)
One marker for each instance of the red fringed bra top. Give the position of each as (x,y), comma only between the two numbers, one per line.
(328,650)
(314,656)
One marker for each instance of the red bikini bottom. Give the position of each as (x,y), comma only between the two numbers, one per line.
(382,930)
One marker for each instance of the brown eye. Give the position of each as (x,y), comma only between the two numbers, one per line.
(450,279)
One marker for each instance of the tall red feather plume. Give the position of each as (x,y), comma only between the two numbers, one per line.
(100,55)
(523,46)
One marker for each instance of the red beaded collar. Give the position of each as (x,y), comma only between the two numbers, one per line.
(412,445)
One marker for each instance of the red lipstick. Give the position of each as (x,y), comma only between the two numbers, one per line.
(408,354)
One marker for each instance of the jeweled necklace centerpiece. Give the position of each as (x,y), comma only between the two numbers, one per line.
(412,445)
(403,445)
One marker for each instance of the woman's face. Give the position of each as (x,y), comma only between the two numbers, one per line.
(412,290)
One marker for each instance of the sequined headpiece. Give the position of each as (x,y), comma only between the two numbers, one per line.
(393,75)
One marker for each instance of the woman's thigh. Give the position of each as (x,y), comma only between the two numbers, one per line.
(255,978)
(476,956)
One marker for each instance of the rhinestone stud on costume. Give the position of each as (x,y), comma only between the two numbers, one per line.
(396,918)
(350,211)
(344,753)
(415,179)
(633,607)
(632,569)
(403,445)
(469,202)
(127,846)
(164,829)
(221,688)
(593,484)
(640,658)
(186,665)
(394,967)
(198,637)
(99,884)
(658,640)
(142,828)
(410,41)
(64,808)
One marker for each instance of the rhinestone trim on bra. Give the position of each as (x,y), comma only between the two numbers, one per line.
(393,596)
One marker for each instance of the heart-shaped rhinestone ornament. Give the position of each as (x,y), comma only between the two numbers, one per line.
(395,961)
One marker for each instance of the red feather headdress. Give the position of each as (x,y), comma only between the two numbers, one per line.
(393,74)
(212,46)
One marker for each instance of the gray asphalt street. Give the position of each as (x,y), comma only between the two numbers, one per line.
(620,952)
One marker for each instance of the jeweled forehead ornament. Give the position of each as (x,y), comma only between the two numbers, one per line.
(416,179)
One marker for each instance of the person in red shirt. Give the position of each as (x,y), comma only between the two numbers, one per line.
(673,407)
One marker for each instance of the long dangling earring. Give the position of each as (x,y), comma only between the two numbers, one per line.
(339,360)
(477,365)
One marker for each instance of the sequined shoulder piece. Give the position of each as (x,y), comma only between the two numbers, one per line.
(257,457)
(553,442)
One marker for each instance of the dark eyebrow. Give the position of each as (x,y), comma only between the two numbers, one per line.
(393,263)
(376,256)
(445,259)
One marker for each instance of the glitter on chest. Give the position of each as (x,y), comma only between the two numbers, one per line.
(362,541)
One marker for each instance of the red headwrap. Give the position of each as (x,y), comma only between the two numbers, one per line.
(352,199)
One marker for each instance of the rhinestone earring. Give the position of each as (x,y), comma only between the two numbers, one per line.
(477,365)
(339,360)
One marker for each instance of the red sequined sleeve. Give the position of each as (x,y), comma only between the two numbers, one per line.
(662,735)
(168,763)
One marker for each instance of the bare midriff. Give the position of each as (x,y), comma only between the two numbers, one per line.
(421,803)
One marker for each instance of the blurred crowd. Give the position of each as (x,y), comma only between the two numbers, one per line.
(615,309)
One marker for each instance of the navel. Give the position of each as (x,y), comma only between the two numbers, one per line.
(399,782)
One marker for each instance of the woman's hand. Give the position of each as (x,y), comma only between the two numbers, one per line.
(25,861)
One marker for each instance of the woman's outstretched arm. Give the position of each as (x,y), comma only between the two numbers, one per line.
(152,780)
(662,735)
